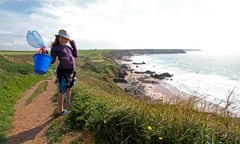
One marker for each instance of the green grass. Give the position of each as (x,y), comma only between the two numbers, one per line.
(41,88)
(16,76)
(102,108)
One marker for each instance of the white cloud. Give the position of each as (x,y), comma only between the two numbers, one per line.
(204,24)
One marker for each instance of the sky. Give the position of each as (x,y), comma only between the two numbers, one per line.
(211,25)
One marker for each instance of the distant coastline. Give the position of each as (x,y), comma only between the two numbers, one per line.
(118,54)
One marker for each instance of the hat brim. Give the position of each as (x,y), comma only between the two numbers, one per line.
(64,36)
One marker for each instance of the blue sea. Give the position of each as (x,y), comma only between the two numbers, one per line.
(199,73)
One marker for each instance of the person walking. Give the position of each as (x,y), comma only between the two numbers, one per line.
(66,54)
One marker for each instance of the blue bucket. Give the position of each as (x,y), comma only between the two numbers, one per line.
(41,63)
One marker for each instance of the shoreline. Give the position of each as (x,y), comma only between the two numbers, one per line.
(142,85)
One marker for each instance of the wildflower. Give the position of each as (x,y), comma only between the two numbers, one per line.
(149,128)
(148,137)
(160,138)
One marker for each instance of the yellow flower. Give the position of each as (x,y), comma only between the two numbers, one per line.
(149,128)
(160,138)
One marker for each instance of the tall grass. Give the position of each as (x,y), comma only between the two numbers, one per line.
(100,106)
(16,76)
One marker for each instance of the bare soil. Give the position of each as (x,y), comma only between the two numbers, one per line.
(31,121)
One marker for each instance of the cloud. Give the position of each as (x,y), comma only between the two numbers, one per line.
(203,24)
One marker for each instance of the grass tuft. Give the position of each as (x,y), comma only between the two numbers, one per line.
(41,88)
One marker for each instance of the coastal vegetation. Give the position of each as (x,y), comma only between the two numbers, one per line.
(103,113)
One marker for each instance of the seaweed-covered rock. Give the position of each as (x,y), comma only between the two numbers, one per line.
(119,80)
(162,75)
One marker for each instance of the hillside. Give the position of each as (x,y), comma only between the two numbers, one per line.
(107,113)
(103,113)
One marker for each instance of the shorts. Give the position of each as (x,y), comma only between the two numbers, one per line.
(66,79)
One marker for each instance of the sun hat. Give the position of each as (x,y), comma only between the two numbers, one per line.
(63,33)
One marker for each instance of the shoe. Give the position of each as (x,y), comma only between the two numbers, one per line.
(63,112)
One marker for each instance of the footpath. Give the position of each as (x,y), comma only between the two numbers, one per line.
(31,121)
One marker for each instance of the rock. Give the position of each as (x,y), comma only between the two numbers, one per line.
(162,75)
(138,72)
(150,81)
(149,72)
(135,91)
(124,67)
(138,63)
(119,80)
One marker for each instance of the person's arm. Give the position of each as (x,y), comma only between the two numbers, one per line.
(42,50)
(73,45)
(53,55)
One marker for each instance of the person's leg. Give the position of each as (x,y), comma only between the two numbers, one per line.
(69,77)
(60,102)
(68,94)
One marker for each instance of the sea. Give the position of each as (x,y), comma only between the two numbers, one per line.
(209,76)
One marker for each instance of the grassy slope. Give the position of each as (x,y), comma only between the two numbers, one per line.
(16,76)
(104,109)
(113,117)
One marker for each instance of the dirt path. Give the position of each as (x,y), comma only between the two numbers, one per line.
(31,121)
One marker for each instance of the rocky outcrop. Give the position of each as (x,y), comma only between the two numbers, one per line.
(162,75)
(120,76)
(119,80)
(135,91)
